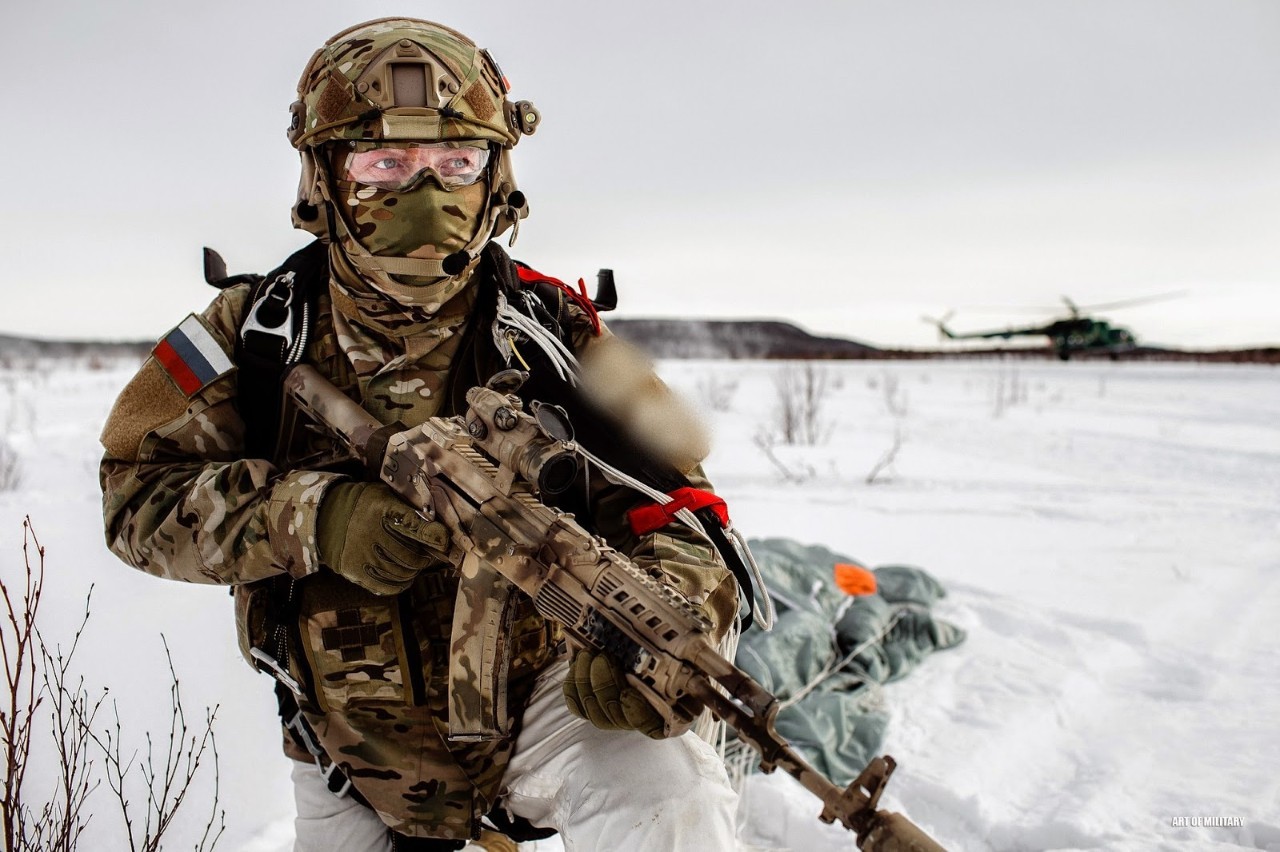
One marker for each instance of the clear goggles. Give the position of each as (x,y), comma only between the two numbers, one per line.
(399,167)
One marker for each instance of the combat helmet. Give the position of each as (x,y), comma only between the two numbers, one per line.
(413,81)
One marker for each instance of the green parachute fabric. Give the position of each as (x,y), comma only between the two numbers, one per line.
(828,651)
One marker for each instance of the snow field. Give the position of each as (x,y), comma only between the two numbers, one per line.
(1107,532)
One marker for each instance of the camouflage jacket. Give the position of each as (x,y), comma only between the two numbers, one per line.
(181,501)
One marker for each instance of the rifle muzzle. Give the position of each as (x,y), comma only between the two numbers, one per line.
(893,832)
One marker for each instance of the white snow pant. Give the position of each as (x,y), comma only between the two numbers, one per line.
(602,790)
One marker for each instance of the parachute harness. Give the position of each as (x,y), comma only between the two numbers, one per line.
(511,322)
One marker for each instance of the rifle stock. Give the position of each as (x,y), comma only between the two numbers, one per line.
(482,474)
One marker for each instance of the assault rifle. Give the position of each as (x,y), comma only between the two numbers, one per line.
(482,474)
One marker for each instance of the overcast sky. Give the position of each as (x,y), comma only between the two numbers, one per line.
(849,166)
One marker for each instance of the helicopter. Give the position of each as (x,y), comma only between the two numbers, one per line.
(1075,333)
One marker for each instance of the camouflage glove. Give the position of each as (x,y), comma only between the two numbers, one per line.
(371,537)
(597,690)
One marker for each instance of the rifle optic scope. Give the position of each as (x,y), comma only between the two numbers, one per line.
(501,428)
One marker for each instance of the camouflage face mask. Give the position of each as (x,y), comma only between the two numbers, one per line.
(431,218)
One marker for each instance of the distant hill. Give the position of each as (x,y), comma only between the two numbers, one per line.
(13,348)
(762,339)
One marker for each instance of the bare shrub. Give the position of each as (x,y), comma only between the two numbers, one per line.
(801,394)
(35,675)
(885,463)
(796,473)
(1009,389)
(10,466)
(165,779)
(896,403)
(21,413)
(717,391)
(895,397)
(58,820)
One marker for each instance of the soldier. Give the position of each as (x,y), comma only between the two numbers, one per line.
(344,593)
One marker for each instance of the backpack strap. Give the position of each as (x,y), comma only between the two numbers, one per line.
(553,291)
(273,336)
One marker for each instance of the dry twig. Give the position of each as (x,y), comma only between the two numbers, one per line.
(59,822)
(886,460)
(166,782)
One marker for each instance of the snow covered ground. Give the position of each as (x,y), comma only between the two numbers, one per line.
(1110,535)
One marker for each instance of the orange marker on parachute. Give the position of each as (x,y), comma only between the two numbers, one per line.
(853,579)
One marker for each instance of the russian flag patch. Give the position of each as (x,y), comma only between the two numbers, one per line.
(191,356)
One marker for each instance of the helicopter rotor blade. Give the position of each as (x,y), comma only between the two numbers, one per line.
(1049,309)
(940,324)
(1012,309)
(1142,300)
